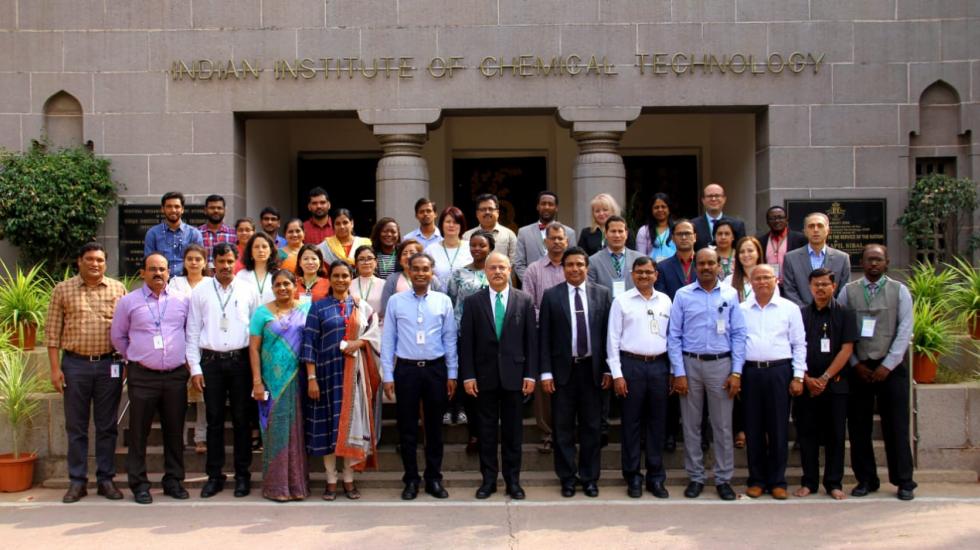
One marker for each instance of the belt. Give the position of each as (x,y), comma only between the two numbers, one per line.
(421,363)
(768,364)
(708,356)
(212,355)
(638,357)
(157,371)
(89,358)
(580,360)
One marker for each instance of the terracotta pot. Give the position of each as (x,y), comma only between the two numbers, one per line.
(975,328)
(16,474)
(923,369)
(29,330)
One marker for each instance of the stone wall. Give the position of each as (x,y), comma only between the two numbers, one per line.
(948,426)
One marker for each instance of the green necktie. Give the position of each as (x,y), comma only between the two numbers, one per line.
(498,314)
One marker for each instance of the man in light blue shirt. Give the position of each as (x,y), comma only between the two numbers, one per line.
(426,233)
(706,345)
(171,237)
(419,360)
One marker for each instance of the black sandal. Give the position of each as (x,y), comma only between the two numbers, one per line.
(351,493)
(330,493)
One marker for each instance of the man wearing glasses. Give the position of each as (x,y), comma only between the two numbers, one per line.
(488,212)
(714,201)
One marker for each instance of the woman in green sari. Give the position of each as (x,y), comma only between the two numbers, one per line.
(277,335)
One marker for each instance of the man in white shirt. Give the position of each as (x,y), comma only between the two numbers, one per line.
(637,358)
(775,361)
(217,352)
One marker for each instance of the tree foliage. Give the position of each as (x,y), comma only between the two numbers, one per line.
(935,200)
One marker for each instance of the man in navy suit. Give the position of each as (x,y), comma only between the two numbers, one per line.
(713,201)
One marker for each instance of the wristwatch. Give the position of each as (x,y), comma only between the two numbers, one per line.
(311,377)
(797,379)
(343,345)
(735,374)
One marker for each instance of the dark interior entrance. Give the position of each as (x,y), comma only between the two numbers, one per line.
(515,180)
(349,180)
(675,175)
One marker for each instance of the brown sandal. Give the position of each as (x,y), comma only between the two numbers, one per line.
(330,493)
(351,492)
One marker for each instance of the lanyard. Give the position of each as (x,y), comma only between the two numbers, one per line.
(452,261)
(726,264)
(618,264)
(360,289)
(602,239)
(387,262)
(158,320)
(687,270)
(218,294)
(258,284)
(660,240)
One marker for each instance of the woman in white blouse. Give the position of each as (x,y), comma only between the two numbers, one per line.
(260,260)
(452,252)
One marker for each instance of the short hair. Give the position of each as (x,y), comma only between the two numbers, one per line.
(488,197)
(360,249)
(774,207)
(340,263)
(91,246)
(487,236)
(867,247)
(292,221)
(456,214)
(284,273)
(193,247)
(247,220)
(721,223)
(401,248)
(152,254)
(214,198)
(574,251)
(422,202)
(822,272)
(343,212)
(555,226)
(430,259)
(376,232)
(616,219)
(299,257)
(606,200)
(270,210)
(221,249)
(249,261)
(317,191)
(825,217)
(643,260)
(547,193)
(170,195)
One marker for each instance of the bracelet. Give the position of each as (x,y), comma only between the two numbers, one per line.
(311,377)
(735,374)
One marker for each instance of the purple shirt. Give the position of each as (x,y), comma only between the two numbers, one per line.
(539,277)
(135,326)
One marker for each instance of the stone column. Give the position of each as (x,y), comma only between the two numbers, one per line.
(599,166)
(402,175)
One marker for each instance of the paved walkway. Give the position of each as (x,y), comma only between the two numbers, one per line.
(942,516)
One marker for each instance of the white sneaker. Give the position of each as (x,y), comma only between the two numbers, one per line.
(461,418)
(447,419)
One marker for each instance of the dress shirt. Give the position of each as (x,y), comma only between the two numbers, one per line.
(776,247)
(79,316)
(398,338)
(204,331)
(315,234)
(541,275)
(903,333)
(711,223)
(171,243)
(263,288)
(775,332)
(504,295)
(693,328)
(834,322)
(134,326)
(224,234)
(817,259)
(417,235)
(631,330)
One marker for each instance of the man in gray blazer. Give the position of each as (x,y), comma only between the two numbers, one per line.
(530,238)
(797,264)
(611,266)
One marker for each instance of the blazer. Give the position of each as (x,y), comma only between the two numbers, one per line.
(591,241)
(555,330)
(704,232)
(795,240)
(670,276)
(602,272)
(796,273)
(530,247)
(498,364)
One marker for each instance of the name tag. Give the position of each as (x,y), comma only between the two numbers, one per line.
(825,345)
(720,326)
(868,327)
(654,327)
(618,288)
(223,324)
(420,337)
(114,370)
(158,341)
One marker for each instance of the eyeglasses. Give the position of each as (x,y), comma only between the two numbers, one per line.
(367,259)
(714,196)
(684,234)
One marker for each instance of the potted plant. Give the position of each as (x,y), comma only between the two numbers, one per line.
(963,297)
(19,386)
(928,285)
(932,336)
(24,298)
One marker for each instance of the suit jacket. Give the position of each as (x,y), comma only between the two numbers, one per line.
(602,272)
(796,273)
(556,331)
(591,241)
(704,232)
(530,247)
(795,240)
(670,276)
(494,363)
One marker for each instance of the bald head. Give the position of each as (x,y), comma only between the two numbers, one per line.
(706,262)
(713,199)
(763,280)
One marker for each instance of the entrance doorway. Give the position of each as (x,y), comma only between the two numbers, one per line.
(515,180)
(349,181)
(677,175)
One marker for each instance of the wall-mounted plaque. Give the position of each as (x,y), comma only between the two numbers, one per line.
(854,223)
(134,221)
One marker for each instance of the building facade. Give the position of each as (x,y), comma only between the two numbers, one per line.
(384,101)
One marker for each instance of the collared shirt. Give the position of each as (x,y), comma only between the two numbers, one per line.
(407,315)
(224,234)
(79,315)
(585,311)
(140,317)
(694,324)
(776,247)
(711,223)
(817,259)
(636,325)
(504,240)
(903,332)
(416,234)
(280,241)
(171,243)
(315,234)
(539,277)
(835,322)
(218,319)
(504,294)
(775,332)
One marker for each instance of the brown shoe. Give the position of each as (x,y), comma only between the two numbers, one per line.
(779,493)
(74,493)
(754,492)
(108,489)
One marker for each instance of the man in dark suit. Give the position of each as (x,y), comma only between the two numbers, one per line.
(573,322)
(780,239)
(498,358)
(713,201)
(798,263)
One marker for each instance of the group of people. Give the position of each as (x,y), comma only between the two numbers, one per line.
(690,323)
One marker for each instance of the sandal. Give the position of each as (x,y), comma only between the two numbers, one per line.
(330,493)
(740,440)
(201,447)
(351,492)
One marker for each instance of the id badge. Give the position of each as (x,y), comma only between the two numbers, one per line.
(114,370)
(659,259)
(223,324)
(720,326)
(158,341)
(654,327)
(420,337)
(618,288)
(868,327)
(825,345)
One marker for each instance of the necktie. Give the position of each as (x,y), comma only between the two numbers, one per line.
(581,334)
(711,225)
(498,314)
(872,289)
(541,226)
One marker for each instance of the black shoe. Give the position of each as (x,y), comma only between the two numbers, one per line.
(242,487)
(411,490)
(604,441)
(634,489)
(568,489)
(906,494)
(657,489)
(108,489)
(436,489)
(142,497)
(176,490)
(705,445)
(693,489)
(670,444)
(485,490)
(213,487)
(515,491)
(590,489)
(863,489)
(75,492)
(725,491)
